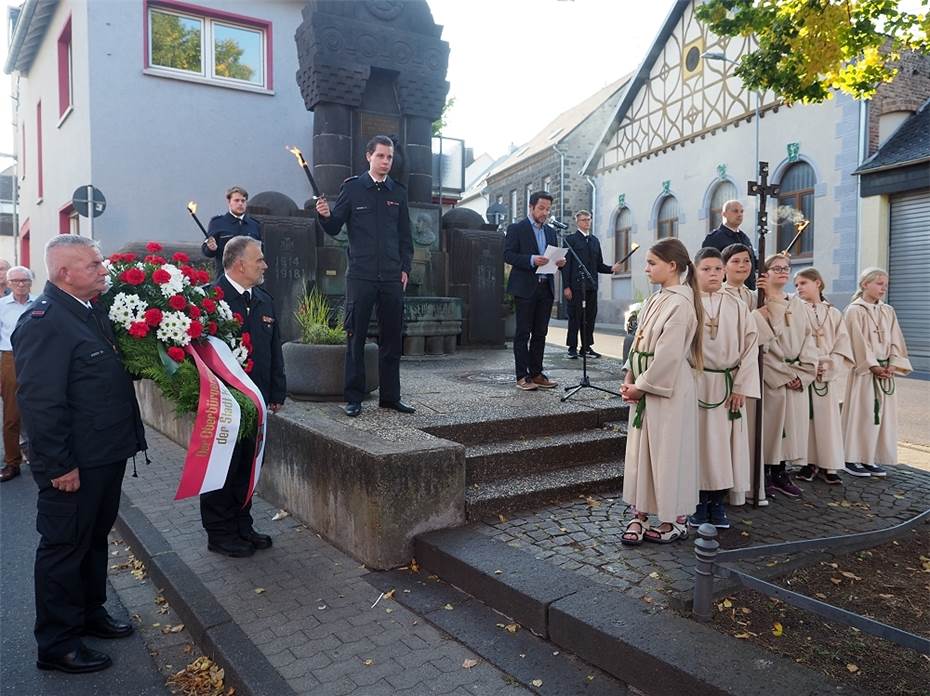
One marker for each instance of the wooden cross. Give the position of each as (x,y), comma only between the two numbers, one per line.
(880,334)
(712,325)
(788,317)
(819,335)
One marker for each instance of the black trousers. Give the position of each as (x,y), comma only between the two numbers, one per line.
(574,319)
(73,554)
(529,339)
(361,298)
(224,512)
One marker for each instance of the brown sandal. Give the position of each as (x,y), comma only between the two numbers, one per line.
(677,531)
(636,537)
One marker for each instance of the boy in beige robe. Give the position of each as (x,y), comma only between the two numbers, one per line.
(730,374)
(660,469)
(788,366)
(870,418)
(834,357)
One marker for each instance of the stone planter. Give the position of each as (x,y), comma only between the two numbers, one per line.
(317,373)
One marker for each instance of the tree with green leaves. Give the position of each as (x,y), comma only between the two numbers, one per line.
(440,122)
(228,53)
(176,42)
(808,49)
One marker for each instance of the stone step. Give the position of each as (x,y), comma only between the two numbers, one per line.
(532,489)
(504,459)
(479,432)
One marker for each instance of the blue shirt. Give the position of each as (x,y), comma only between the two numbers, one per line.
(540,240)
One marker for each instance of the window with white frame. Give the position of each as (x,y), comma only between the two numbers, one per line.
(514,211)
(188,45)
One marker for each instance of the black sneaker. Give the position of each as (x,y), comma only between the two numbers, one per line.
(875,470)
(806,473)
(718,516)
(830,477)
(856,469)
(700,516)
(572,354)
(591,353)
(782,484)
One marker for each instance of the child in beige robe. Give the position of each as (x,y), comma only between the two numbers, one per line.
(730,374)
(660,470)
(834,357)
(870,420)
(788,366)
(738,265)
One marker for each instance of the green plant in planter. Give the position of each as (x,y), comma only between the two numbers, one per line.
(319,324)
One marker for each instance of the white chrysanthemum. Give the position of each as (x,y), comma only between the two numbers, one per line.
(175,285)
(126,309)
(173,329)
(240,352)
(222,308)
(199,289)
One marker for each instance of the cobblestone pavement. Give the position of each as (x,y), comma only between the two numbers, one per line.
(583,535)
(306,606)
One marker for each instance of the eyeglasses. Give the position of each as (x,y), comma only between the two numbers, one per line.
(780,269)
(21,280)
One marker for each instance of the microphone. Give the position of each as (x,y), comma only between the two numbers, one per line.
(555,223)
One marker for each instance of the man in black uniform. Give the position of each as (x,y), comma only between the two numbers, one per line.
(225,514)
(588,249)
(78,406)
(374,207)
(235,222)
(729,233)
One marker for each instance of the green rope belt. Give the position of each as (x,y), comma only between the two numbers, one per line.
(883,385)
(727,373)
(819,390)
(639,362)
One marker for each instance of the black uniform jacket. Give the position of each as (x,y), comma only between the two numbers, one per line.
(589,251)
(519,249)
(378,220)
(76,399)
(262,325)
(722,237)
(225,227)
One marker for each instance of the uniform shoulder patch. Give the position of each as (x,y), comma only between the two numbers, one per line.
(39,309)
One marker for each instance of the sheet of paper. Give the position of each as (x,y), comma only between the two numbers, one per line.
(553,254)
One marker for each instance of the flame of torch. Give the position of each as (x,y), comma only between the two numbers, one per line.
(633,247)
(303,163)
(192,209)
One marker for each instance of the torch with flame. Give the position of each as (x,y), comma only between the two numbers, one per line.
(306,167)
(192,209)
(633,247)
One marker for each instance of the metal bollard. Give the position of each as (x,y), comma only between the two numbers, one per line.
(705,551)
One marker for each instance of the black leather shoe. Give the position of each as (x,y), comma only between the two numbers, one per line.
(352,409)
(398,406)
(234,548)
(258,541)
(107,627)
(78,661)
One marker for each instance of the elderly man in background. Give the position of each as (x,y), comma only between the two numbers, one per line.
(12,307)
(4,286)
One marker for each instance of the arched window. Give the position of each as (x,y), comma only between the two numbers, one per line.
(797,193)
(622,229)
(667,219)
(723,192)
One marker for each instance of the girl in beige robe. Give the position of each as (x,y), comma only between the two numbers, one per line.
(789,365)
(730,374)
(737,261)
(660,471)
(870,419)
(834,357)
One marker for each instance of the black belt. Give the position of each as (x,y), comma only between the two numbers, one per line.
(544,279)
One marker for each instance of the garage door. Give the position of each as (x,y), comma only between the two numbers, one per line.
(909,261)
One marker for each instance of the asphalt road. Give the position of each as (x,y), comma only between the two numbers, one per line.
(133,671)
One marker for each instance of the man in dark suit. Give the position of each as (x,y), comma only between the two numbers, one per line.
(233,223)
(533,293)
(225,514)
(729,233)
(580,292)
(79,409)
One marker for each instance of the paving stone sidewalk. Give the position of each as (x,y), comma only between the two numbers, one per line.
(583,535)
(313,618)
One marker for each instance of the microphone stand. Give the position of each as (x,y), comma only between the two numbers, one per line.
(585,382)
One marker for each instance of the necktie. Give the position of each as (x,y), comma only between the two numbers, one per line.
(247,296)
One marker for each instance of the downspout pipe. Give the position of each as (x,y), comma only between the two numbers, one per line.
(561,183)
(593,186)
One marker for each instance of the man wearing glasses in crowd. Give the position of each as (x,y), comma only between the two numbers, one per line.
(12,307)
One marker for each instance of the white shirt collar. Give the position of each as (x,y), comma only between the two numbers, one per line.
(8,299)
(238,288)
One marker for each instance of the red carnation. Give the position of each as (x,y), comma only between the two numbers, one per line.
(160,275)
(212,328)
(153,316)
(155,260)
(129,257)
(218,292)
(193,311)
(203,277)
(176,354)
(237,318)
(208,305)
(153,247)
(188,272)
(138,329)
(247,340)
(132,276)
(180,257)
(177,302)
(249,364)
(116,258)
(195,330)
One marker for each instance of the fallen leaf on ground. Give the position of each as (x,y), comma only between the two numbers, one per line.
(259,590)
(537,683)
(280,515)
(741,636)
(498,572)
(389,594)
(778,630)
(447,607)
(177,628)
(851,576)
(653,574)
(852,667)
(414,568)
(512,627)
(468,664)
(836,581)
(727,603)
(369,662)
(592,503)
(502,519)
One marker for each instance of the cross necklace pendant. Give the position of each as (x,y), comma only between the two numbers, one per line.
(819,335)
(713,321)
